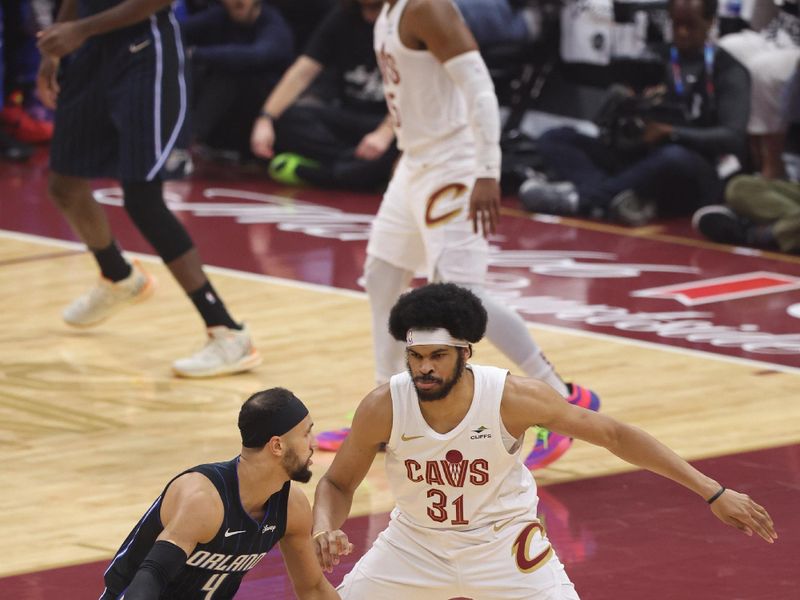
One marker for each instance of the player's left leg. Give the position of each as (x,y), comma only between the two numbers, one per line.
(229,348)
(148,102)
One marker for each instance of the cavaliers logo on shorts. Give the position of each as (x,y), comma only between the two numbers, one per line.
(444,204)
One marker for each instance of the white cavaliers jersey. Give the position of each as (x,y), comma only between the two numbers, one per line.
(427,108)
(459,480)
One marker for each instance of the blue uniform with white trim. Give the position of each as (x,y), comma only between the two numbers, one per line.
(123,100)
(214,570)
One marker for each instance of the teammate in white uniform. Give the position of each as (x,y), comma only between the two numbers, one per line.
(465,518)
(445,192)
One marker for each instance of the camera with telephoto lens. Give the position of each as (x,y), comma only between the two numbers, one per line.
(622,119)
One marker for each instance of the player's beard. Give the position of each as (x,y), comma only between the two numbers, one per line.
(295,467)
(445,385)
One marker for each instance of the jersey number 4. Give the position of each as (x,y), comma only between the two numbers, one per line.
(212,585)
(438,509)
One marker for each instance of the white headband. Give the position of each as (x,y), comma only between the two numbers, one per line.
(433,337)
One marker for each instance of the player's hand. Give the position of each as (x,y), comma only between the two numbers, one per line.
(374,144)
(61,38)
(262,138)
(329,546)
(738,510)
(47,81)
(484,206)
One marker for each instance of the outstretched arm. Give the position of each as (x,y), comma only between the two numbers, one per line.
(528,402)
(372,425)
(67,35)
(304,570)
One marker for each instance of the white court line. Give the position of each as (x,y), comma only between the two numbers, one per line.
(747,362)
(152,258)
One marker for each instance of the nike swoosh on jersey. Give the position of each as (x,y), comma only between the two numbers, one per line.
(134,48)
(229,533)
(498,527)
(408,438)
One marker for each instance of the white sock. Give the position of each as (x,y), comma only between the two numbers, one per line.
(384,284)
(509,333)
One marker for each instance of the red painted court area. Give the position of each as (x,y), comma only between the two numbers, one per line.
(625,537)
(633,536)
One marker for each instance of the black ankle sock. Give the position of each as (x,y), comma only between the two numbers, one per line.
(211,307)
(113,265)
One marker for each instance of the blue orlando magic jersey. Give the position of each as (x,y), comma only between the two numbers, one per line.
(214,570)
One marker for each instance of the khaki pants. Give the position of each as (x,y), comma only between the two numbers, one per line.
(767,201)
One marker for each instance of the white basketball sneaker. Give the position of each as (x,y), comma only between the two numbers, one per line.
(227,351)
(107,297)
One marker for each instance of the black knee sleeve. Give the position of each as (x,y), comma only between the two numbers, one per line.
(144,203)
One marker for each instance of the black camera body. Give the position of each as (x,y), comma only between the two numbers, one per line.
(623,117)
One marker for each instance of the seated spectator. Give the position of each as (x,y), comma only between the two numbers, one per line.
(344,141)
(759,212)
(238,51)
(669,156)
(770,56)
(763,213)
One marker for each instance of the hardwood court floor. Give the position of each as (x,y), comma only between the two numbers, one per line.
(93,423)
(696,342)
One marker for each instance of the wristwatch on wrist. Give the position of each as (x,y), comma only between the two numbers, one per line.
(266,115)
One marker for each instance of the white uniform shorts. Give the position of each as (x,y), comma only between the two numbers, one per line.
(514,563)
(423,222)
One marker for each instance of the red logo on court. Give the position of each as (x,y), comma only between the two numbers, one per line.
(706,291)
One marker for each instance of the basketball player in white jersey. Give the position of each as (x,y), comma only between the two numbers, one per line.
(444,196)
(465,522)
